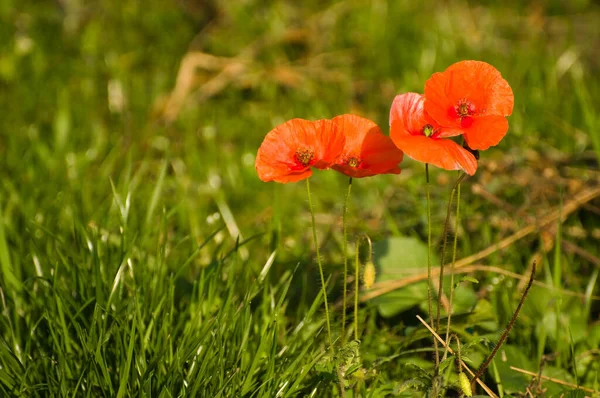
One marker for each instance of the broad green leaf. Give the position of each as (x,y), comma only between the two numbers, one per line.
(508,356)
(395,258)
(555,389)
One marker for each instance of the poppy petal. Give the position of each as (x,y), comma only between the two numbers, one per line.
(294,177)
(486,131)
(374,152)
(329,142)
(443,153)
(437,103)
(355,172)
(269,172)
(408,109)
(355,129)
(276,157)
(478,78)
(445,132)
(475,81)
(380,154)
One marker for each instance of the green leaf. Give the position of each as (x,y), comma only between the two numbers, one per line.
(467,279)
(411,384)
(351,369)
(395,258)
(8,272)
(554,389)
(508,356)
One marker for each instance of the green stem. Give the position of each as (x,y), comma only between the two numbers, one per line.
(345,254)
(456,225)
(444,246)
(314,228)
(429,305)
(458,352)
(357,277)
(443,260)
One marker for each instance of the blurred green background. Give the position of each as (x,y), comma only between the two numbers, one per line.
(91,90)
(137,123)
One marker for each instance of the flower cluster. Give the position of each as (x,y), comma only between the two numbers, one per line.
(469,99)
(350,144)
(468,102)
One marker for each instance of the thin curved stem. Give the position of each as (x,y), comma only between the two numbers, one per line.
(323,287)
(457,351)
(443,260)
(456,226)
(444,246)
(345,254)
(357,277)
(314,228)
(429,300)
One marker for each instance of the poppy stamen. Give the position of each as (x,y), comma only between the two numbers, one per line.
(353,162)
(304,156)
(464,108)
(428,130)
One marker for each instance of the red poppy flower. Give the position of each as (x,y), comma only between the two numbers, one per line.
(290,150)
(421,138)
(472,96)
(368,151)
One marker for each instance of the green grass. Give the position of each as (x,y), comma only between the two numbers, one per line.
(141,256)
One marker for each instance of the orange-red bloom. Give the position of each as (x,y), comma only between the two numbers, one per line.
(471,96)
(421,138)
(290,150)
(368,151)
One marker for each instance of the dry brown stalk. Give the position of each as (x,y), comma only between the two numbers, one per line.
(555,215)
(236,70)
(480,267)
(552,379)
(573,248)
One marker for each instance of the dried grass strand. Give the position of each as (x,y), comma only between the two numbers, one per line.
(464,365)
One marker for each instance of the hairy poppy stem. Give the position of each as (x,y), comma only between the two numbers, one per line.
(429,300)
(323,287)
(452,264)
(345,254)
(458,355)
(356,274)
(507,329)
(444,247)
(357,277)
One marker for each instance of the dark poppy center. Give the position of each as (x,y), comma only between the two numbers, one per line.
(428,130)
(353,162)
(464,108)
(304,156)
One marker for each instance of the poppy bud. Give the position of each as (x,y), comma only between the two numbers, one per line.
(465,384)
(369,275)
